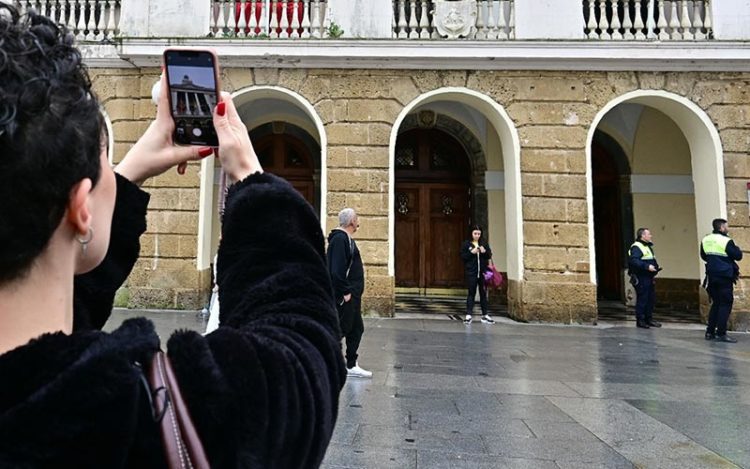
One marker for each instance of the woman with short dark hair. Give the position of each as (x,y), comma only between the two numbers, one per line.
(476,254)
(262,390)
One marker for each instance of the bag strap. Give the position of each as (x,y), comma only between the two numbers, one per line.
(182,445)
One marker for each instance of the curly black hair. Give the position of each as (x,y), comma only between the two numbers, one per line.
(50,133)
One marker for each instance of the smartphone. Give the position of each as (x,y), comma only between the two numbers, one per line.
(192,78)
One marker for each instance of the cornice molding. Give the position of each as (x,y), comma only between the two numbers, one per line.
(713,56)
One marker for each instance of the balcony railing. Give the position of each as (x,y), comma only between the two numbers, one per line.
(269,18)
(90,20)
(480,19)
(665,20)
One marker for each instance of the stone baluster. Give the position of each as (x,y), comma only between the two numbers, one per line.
(317,30)
(592,24)
(305,19)
(81,23)
(91,22)
(685,24)
(264,19)
(650,21)
(502,23)
(232,18)
(512,20)
(638,24)
(662,23)
(616,24)
(491,23)
(53,10)
(698,9)
(274,27)
(221,20)
(480,32)
(42,8)
(284,21)
(424,22)
(402,24)
(627,24)
(674,22)
(296,21)
(708,22)
(252,25)
(413,24)
(603,21)
(112,26)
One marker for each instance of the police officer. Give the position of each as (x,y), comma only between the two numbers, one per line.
(720,254)
(643,269)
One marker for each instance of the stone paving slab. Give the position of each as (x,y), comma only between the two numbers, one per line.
(444,395)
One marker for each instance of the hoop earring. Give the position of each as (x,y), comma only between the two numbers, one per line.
(85,242)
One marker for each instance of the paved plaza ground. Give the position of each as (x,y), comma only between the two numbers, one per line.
(445,395)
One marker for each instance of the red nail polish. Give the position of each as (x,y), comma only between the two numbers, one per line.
(221,108)
(203,152)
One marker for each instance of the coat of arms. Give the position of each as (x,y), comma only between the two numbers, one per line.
(455,18)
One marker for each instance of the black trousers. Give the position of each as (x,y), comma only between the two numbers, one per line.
(352,327)
(722,297)
(474,283)
(645,299)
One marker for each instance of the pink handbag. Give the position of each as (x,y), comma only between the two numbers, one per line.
(493,278)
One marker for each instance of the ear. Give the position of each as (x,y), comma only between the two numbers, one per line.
(79,212)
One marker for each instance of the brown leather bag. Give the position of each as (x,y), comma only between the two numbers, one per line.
(182,446)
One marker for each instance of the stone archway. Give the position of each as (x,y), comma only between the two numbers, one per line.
(705,169)
(509,142)
(474,150)
(308,119)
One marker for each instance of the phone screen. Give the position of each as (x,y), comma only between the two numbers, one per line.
(193,95)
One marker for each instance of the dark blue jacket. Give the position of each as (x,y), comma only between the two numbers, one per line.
(721,269)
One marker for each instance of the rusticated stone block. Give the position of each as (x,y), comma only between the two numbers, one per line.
(556,234)
(172,222)
(553,136)
(151,298)
(378,306)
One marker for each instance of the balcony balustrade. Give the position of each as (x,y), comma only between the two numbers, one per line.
(482,20)
(90,20)
(269,19)
(639,20)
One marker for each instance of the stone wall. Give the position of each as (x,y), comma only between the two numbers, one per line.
(552,112)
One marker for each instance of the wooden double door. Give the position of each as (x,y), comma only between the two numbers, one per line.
(288,157)
(432,205)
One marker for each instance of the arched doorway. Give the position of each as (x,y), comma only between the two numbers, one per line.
(676,183)
(288,152)
(432,209)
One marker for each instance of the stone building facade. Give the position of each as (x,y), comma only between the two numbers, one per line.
(536,136)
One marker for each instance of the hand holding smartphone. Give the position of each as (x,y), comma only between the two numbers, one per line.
(192,78)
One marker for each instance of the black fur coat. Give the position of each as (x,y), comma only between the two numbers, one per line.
(262,389)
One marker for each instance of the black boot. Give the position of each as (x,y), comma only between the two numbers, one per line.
(710,335)
(641,324)
(654,324)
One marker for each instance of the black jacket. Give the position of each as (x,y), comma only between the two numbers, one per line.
(262,390)
(345,265)
(723,269)
(475,264)
(638,266)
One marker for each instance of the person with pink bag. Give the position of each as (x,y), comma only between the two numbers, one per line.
(476,254)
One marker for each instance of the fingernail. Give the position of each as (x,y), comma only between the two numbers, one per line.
(203,152)
(181,169)
(221,108)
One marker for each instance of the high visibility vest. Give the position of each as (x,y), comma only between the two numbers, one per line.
(648,254)
(715,245)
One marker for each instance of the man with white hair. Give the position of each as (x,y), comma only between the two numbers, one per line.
(348,278)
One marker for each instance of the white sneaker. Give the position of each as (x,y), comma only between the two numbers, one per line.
(357,372)
(486,319)
(467,320)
